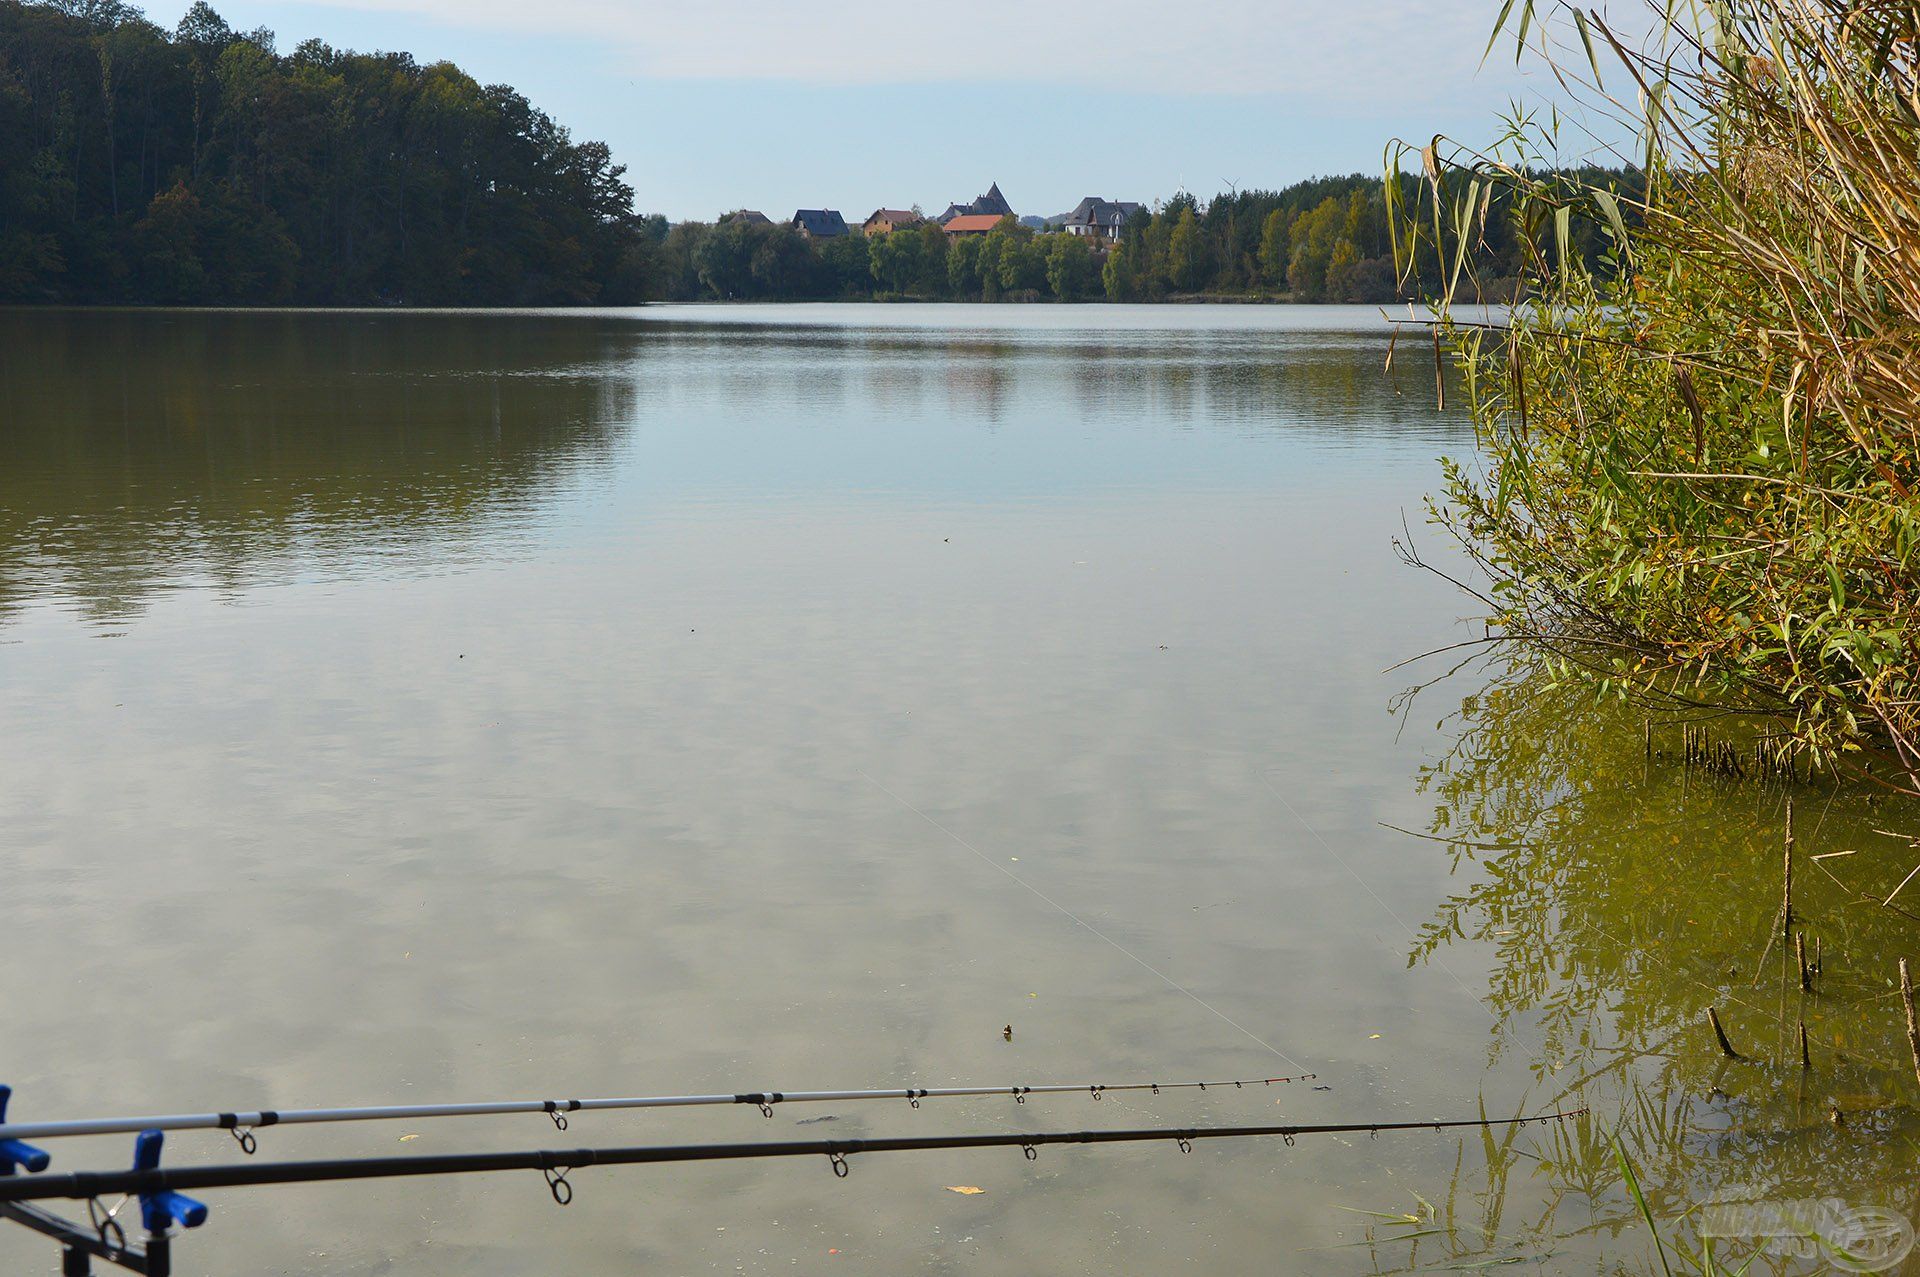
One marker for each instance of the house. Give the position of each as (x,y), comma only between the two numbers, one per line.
(746,217)
(992,202)
(819,223)
(1099,218)
(972,223)
(887,220)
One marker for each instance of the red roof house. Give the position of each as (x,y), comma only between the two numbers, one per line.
(972,223)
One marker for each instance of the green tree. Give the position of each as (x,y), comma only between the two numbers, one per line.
(963,266)
(200,162)
(1313,236)
(1072,273)
(1273,248)
(846,266)
(224,250)
(679,272)
(1186,254)
(781,264)
(932,280)
(724,261)
(1117,277)
(1018,258)
(898,261)
(1342,265)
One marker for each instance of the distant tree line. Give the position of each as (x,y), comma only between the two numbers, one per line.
(734,260)
(1323,240)
(201,166)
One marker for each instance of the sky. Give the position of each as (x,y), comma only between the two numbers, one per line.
(777,105)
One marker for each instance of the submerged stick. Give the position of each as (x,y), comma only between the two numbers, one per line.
(1786,890)
(1902,887)
(1913,1024)
(1806,1061)
(1720,1035)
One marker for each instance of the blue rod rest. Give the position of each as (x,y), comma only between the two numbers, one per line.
(159,1211)
(14,1154)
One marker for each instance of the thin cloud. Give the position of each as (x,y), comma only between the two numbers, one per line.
(1228,46)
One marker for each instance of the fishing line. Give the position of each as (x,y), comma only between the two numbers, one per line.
(1078,920)
(1366,886)
(1434,954)
(244,1124)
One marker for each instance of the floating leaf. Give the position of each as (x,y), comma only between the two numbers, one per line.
(967,1190)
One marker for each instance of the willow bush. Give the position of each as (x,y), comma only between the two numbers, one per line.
(1696,465)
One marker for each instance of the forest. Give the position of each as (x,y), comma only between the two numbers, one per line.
(1324,240)
(200,166)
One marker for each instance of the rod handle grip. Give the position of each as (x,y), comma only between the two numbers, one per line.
(17,1155)
(159,1210)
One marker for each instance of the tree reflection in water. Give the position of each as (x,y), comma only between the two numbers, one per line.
(1616,895)
(145,451)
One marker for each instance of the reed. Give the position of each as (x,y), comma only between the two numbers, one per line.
(1697,467)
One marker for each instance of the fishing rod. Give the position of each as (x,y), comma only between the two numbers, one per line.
(163,1203)
(244,1124)
(556,1163)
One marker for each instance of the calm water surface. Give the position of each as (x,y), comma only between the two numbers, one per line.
(414,707)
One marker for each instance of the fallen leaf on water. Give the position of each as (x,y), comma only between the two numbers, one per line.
(968,1189)
(405,1138)
(1372,1036)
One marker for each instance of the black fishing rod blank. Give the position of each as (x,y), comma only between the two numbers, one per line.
(163,1203)
(557,1163)
(244,1124)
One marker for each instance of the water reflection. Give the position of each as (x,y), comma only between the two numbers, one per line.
(1112,599)
(615,751)
(1623,895)
(1218,377)
(146,451)
(142,451)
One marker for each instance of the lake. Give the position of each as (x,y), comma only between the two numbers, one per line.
(407,707)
